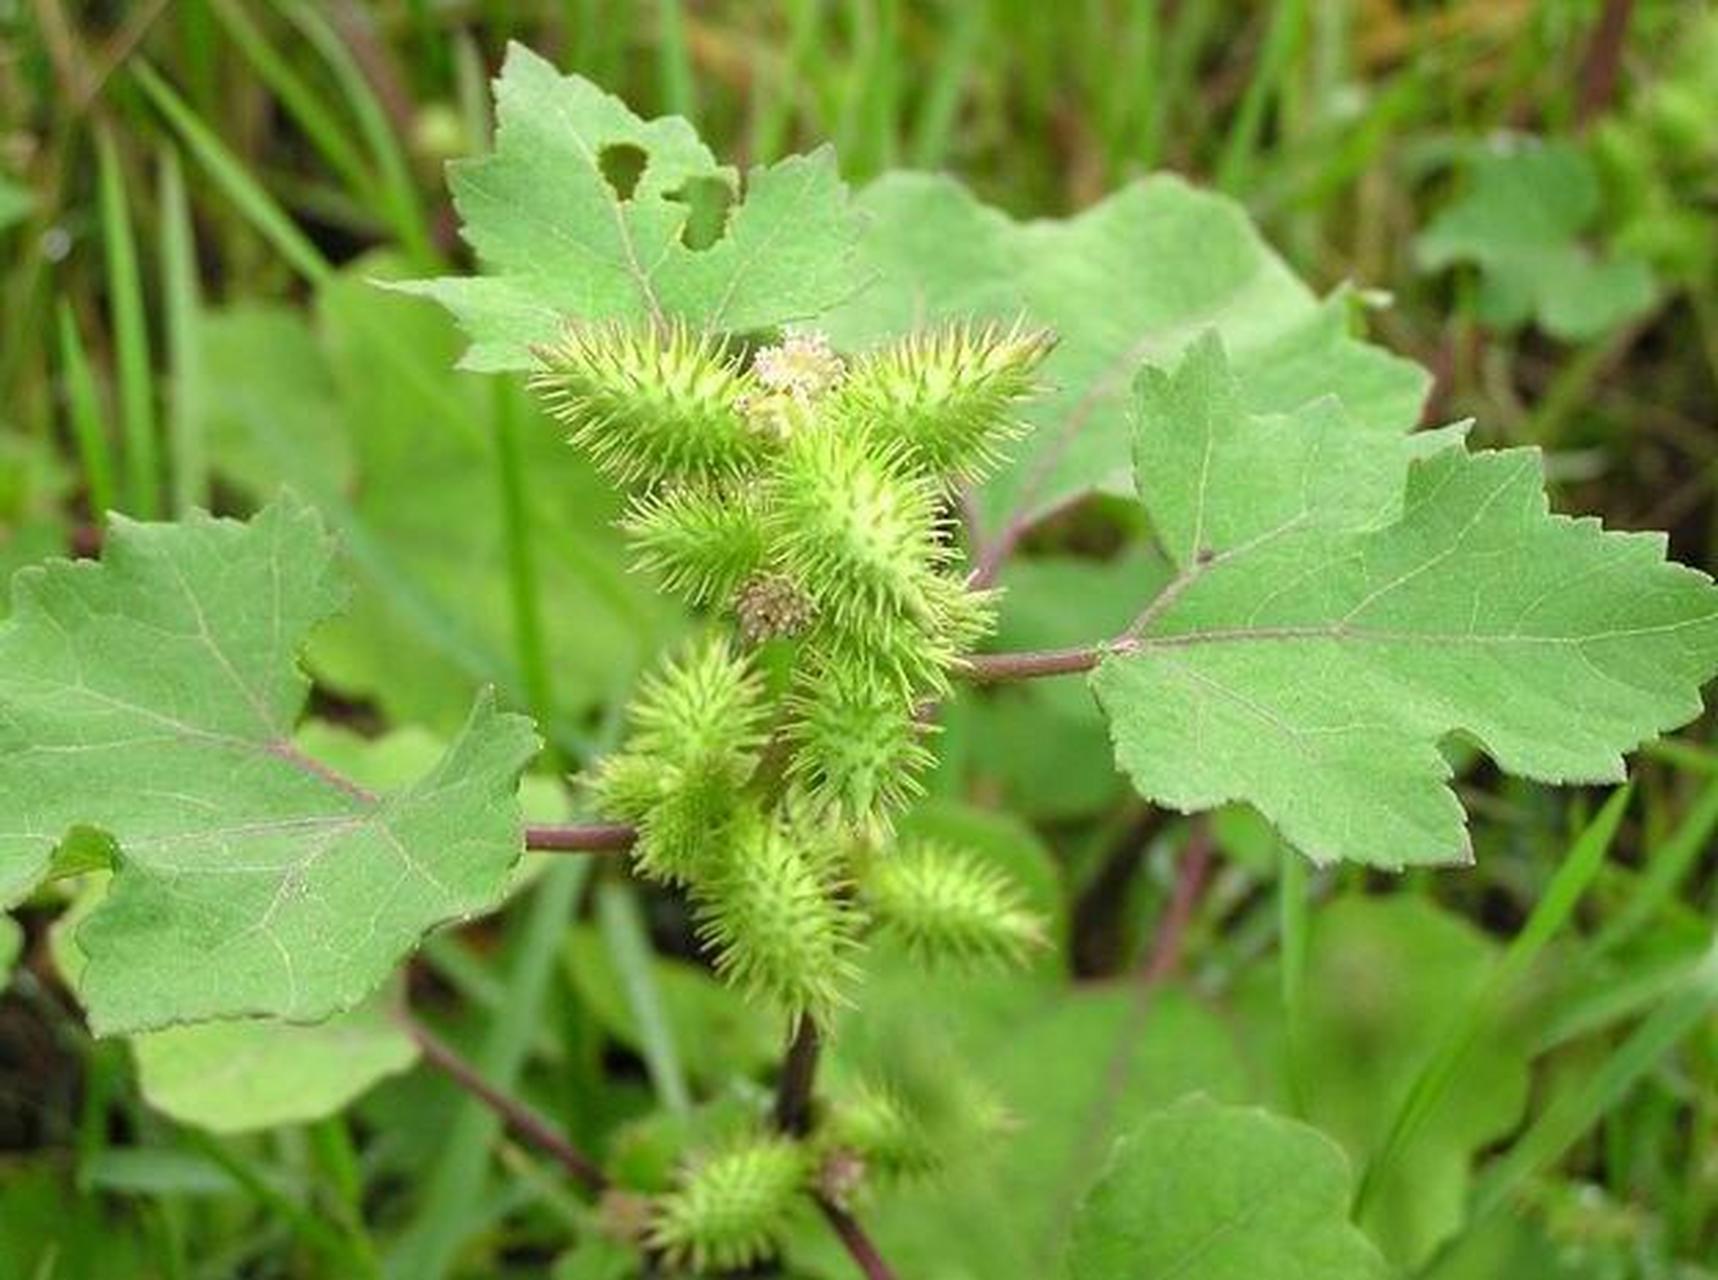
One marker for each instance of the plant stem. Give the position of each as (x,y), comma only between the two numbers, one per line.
(580,837)
(1603,62)
(793,1095)
(519,1118)
(858,1244)
(1031,664)
(793,1117)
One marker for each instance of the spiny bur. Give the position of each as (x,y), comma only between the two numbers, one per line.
(774,916)
(732,1209)
(802,497)
(702,541)
(649,402)
(858,747)
(697,731)
(948,399)
(944,905)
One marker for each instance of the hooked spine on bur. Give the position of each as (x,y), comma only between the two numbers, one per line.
(802,497)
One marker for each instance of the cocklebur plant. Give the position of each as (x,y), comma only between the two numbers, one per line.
(802,498)
(832,424)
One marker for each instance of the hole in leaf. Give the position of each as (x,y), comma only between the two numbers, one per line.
(622,165)
(709,200)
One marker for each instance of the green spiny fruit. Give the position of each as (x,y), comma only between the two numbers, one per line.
(773,916)
(698,726)
(915,654)
(627,785)
(649,403)
(877,1124)
(690,829)
(732,1209)
(702,540)
(943,904)
(946,398)
(707,705)
(856,531)
(857,744)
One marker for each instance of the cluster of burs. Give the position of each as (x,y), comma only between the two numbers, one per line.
(802,501)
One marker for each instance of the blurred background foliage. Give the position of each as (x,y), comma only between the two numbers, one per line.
(195,198)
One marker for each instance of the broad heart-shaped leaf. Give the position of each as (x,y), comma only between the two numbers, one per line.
(153,696)
(1522,220)
(568,228)
(1135,277)
(1211,1192)
(1318,643)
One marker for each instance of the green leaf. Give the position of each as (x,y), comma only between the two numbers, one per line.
(1385,979)
(586,212)
(249,1073)
(1319,642)
(1137,276)
(11,946)
(233,1077)
(1221,1193)
(153,696)
(1523,219)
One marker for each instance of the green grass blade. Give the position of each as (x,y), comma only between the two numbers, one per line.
(623,931)
(1686,1009)
(447,1212)
(320,125)
(940,108)
(396,190)
(140,460)
(311,1230)
(1669,865)
(227,173)
(182,310)
(1265,86)
(674,60)
(1552,912)
(88,422)
(521,560)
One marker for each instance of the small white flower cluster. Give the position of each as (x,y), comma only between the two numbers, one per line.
(794,374)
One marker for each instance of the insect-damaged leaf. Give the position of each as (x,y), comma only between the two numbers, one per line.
(585,212)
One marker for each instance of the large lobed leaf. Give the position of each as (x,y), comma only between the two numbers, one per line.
(1342,604)
(561,240)
(153,696)
(1136,277)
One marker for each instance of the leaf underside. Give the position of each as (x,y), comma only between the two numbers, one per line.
(153,696)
